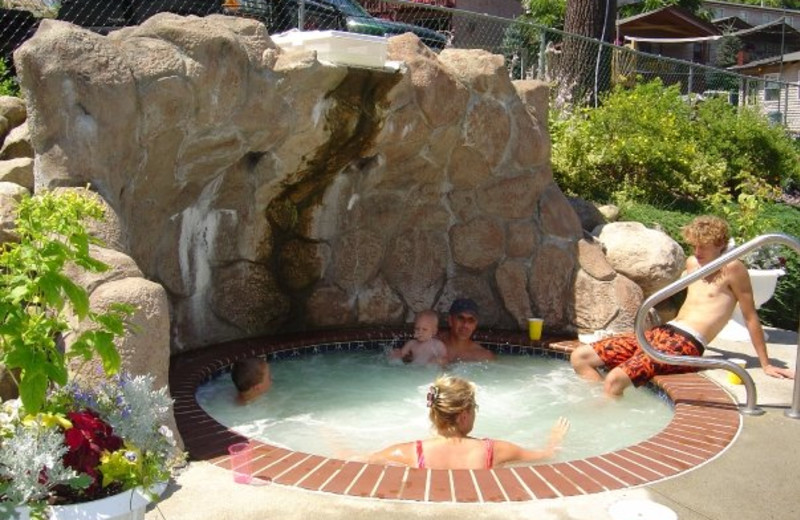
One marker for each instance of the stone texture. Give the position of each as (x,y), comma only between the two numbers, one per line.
(647,256)
(329,307)
(550,286)
(10,195)
(511,276)
(19,171)
(492,139)
(477,244)
(610,212)
(557,216)
(521,239)
(592,259)
(378,304)
(267,191)
(513,198)
(13,109)
(613,306)
(535,95)
(16,144)
(415,266)
(301,263)
(144,349)
(587,212)
(120,266)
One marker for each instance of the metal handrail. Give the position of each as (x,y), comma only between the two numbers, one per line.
(693,361)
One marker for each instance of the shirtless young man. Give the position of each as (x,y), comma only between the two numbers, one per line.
(463,320)
(708,307)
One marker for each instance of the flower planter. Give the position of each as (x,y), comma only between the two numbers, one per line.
(764,282)
(128,505)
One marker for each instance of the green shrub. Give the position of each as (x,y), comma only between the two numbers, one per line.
(783,308)
(748,145)
(649,144)
(8,87)
(636,145)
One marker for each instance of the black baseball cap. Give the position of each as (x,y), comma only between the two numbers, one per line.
(464,305)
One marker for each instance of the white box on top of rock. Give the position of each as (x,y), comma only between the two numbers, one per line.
(357,50)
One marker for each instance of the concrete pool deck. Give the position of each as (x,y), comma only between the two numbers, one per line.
(754,479)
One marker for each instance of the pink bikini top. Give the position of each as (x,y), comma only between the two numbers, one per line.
(488,444)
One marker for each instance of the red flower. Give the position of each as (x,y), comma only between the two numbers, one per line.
(88,438)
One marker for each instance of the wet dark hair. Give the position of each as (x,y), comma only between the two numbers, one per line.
(247,373)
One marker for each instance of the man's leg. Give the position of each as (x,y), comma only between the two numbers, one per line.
(585,362)
(616,382)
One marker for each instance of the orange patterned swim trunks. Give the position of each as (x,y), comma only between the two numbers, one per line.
(624,352)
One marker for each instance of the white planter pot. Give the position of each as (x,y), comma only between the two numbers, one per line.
(764,282)
(128,505)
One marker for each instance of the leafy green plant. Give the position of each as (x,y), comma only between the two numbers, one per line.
(8,87)
(636,142)
(783,309)
(38,301)
(754,151)
(650,144)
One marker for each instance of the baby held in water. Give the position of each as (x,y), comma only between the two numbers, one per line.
(424,348)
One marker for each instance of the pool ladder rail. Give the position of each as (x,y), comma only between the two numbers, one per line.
(750,408)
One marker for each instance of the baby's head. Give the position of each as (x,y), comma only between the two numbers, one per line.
(426,325)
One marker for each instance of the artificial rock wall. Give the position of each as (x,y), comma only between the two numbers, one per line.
(267,191)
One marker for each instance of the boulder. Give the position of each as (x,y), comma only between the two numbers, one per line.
(587,212)
(145,346)
(19,171)
(16,144)
(610,212)
(649,257)
(10,195)
(14,110)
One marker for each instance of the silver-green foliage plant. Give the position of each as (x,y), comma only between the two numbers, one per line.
(37,300)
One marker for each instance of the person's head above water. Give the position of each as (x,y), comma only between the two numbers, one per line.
(251,377)
(426,325)
(451,403)
(463,318)
(464,306)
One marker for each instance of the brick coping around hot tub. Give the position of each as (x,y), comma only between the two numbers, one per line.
(705,422)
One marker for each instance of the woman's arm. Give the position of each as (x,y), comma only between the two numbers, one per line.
(402,453)
(505,451)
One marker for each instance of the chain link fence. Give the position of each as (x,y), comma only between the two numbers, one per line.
(579,68)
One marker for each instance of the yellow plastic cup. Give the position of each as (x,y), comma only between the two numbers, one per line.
(535,328)
(734,378)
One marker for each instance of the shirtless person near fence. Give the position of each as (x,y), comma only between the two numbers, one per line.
(708,307)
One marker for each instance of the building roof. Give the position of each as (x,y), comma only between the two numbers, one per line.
(730,22)
(734,5)
(791,57)
(666,22)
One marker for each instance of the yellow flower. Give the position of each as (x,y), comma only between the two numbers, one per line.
(48,420)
